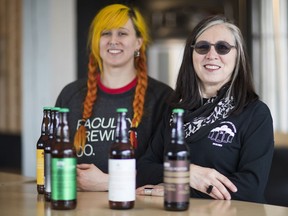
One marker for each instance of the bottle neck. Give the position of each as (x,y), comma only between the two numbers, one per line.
(56,122)
(121,129)
(45,122)
(63,128)
(51,125)
(177,133)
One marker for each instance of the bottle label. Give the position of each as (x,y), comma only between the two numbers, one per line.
(63,179)
(40,166)
(122,183)
(176,181)
(47,171)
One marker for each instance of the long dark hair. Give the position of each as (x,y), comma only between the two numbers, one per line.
(187,93)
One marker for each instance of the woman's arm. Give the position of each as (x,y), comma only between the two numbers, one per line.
(255,159)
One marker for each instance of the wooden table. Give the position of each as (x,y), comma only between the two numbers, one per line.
(18,196)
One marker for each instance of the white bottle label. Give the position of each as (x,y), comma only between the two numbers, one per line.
(122,180)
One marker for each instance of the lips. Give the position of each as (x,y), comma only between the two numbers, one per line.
(114,51)
(211,67)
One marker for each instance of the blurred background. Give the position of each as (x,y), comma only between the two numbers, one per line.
(43,48)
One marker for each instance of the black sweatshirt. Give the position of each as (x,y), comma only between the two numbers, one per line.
(239,147)
(101,125)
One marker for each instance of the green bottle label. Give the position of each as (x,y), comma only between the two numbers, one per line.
(63,178)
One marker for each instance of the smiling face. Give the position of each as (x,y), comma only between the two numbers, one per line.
(214,70)
(117,46)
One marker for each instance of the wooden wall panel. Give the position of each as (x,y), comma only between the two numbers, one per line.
(10,66)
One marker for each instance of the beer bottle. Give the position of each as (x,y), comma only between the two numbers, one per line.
(176,167)
(122,168)
(63,167)
(47,152)
(40,151)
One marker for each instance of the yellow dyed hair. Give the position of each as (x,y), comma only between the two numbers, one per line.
(110,17)
(113,17)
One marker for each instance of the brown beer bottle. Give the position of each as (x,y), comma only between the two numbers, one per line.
(176,167)
(63,167)
(122,168)
(47,151)
(40,151)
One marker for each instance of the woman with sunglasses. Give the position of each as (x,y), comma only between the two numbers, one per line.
(117,77)
(228,130)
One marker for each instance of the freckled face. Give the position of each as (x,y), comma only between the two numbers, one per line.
(117,46)
(215,70)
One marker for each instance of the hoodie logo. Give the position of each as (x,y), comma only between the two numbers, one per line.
(223,134)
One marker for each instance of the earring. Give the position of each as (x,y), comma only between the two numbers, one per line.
(136,53)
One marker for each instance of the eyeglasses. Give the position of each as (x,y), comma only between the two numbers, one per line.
(221,47)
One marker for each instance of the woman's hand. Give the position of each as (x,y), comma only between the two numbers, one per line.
(201,178)
(151,190)
(91,178)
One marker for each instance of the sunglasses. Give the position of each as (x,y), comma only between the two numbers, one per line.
(221,47)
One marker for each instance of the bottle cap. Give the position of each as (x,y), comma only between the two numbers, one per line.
(55,108)
(64,110)
(178,110)
(119,110)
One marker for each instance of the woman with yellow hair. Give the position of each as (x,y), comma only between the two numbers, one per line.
(117,77)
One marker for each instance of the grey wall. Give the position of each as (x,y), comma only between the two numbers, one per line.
(48,63)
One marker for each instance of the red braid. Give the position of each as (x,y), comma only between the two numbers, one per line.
(139,97)
(80,136)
